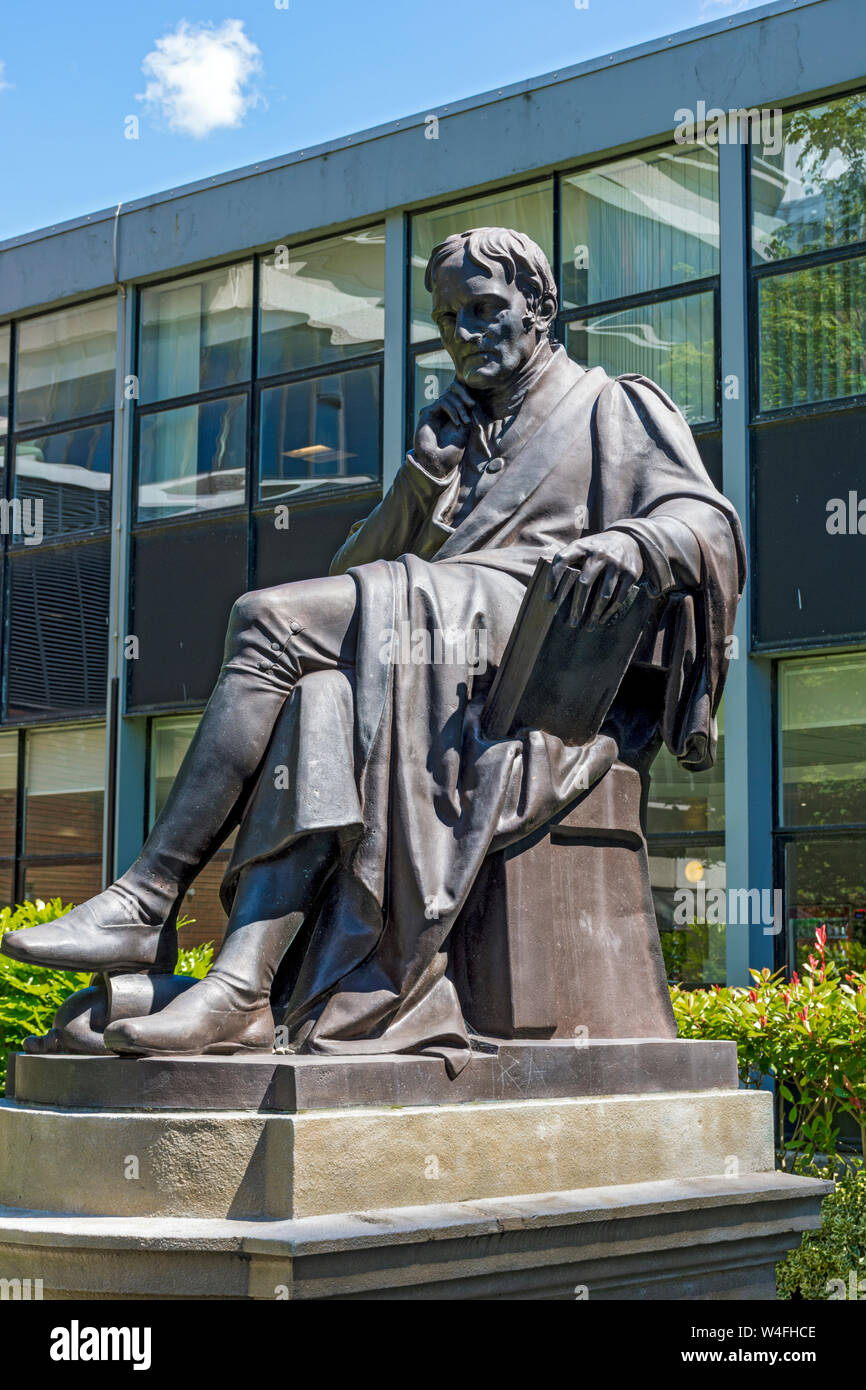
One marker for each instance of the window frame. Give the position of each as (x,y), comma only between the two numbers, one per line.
(92,535)
(703,285)
(251,389)
(785,834)
(756,272)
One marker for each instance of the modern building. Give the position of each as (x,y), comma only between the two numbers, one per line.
(202,390)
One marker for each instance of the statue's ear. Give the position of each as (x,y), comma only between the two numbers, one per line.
(545,310)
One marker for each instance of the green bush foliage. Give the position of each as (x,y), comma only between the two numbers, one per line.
(830,1263)
(30,998)
(808,1035)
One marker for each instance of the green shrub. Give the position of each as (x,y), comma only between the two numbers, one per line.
(830,1263)
(30,998)
(808,1035)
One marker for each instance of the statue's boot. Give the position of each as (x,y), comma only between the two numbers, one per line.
(230,1010)
(80,1022)
(132,925)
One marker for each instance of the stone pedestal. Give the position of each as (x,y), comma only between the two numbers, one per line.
(633,1167)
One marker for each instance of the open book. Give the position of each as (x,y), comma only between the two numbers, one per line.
(564,679)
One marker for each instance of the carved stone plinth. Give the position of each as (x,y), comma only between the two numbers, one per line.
(312,1177)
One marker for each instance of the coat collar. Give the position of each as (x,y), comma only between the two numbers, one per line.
(548,433)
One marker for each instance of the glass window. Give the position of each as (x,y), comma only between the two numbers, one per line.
(639,224)
(813,334)
(681,801)
(689,894)
(5,335)
(192,459)
(811,195)
(320,432)
(65,364)
(170,739)
(528,210)
(64,481)
(433,373)
(672,343)
(322,302)
(72,883)
(196,333)
(826,886)
(65,782)
(8,793)
(7,883)
(823,740)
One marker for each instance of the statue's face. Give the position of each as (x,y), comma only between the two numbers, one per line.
(485,323)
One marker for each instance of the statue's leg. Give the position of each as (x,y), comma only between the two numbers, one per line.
(230,1010)
(274,637)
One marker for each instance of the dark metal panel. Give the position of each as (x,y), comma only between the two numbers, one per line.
(304,549)
(709,444)
(184,582)
(808,583)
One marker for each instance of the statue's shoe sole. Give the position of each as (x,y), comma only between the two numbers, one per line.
(225,1049)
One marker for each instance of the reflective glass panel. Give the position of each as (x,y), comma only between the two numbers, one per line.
(4,379)
(72,883)
(192,459)
(688,888)
(169,740)
(639,224)
(823,740)
(322,302)
(813,334)
(528,210)
(672,343)
(63,482)
(684,801)
(65,364)
(320,433)
(8,786)
(196,333)
(65,781)
(826,887)
(809,181)
(434,371)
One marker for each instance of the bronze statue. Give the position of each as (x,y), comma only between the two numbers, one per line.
(368,791)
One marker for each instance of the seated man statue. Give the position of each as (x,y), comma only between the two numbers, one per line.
(366,792)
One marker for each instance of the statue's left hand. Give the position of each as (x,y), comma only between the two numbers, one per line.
(594,575)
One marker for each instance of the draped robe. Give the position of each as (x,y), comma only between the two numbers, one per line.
(390,756)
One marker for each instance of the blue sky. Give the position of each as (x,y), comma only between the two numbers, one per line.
(217,86)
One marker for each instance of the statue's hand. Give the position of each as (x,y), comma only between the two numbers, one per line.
(594,575)
(443,429)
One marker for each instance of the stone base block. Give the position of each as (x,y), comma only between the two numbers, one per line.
(237,1164)
(699,1239)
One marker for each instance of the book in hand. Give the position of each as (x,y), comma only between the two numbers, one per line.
(563,679)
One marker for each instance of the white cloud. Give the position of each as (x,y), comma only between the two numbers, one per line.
(200,75)
(4,85)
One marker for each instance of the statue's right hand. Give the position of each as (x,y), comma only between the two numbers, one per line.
(443,429)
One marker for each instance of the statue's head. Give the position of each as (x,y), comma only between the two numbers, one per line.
(494,301)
